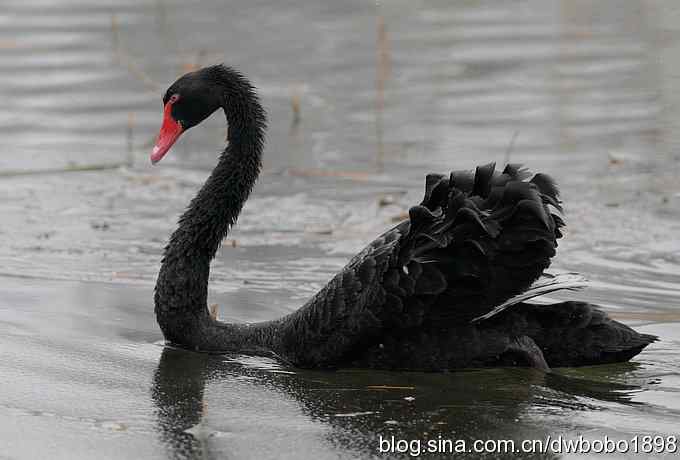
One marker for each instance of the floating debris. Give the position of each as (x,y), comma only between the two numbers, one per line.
(386,200)
(213,311)
(354,175)
(389,387)
(354,414)
(399,217)
(103,226)
(614,160)
(114,426)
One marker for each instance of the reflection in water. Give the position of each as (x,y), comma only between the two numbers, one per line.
(177,392)
(609,390)
(358,407)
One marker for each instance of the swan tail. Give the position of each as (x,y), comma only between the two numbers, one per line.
(478,239)
(578,334)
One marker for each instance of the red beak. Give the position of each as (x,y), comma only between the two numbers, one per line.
(170,132)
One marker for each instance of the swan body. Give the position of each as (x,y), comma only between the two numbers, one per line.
(444,289)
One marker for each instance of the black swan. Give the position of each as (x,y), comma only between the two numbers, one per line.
(444,289)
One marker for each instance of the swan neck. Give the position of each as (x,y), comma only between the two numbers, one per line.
(182,285)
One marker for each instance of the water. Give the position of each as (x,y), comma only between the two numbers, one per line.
(588,91)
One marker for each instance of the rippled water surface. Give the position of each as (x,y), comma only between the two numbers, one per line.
(586,91)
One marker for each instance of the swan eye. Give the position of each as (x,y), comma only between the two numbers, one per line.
(174,98)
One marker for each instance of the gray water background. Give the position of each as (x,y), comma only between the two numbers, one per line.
(585,91)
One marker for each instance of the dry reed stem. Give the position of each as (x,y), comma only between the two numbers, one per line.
(68,169)
(129,135)
(295,106)
(511,146)
(353,175)
(383,68)
(122,57)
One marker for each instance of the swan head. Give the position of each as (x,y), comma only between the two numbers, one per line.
(187,102)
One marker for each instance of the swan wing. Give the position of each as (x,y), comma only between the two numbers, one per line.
(546,284)
(348,311)
(476,240)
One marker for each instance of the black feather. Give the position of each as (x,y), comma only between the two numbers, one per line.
(473,246)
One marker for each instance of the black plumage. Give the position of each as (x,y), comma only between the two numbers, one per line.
(413,298)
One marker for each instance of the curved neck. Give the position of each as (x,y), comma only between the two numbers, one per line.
(182,285)
(217,205)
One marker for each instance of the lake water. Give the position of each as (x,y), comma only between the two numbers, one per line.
(588,92)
